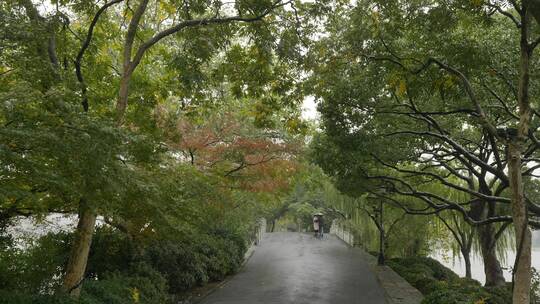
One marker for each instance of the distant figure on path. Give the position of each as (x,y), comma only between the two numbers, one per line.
(316,225)
(321,224)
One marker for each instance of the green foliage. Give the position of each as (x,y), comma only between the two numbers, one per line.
(313,192)
(6,240)
(9,297)
(186,264)
(156,269)
(422,272)
(446,296)
(442,286)
(181,266)
(406,90)
(535,288)
(182,263)
(459,294)
(111,251)
(143,285)
(182,223)
(42,134)
(37,269)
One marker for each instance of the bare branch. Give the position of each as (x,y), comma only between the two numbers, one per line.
(444,181)
(460,149)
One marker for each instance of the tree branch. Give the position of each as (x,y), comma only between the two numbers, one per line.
(84,47)
(200,22)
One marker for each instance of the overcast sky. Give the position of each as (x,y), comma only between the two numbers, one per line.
(309,109)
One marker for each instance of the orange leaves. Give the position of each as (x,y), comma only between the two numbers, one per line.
(272,176)
(252,159)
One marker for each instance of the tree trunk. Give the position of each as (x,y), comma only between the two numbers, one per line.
(492,266)
(480,210)
(80,249)
(522,266)
(466,253)
(123,94)
(87,218)
(386,246)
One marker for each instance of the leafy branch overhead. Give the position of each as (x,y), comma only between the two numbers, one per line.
(436,93)
(100,100)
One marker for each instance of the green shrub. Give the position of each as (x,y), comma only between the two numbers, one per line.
(186,264)
(427,266)
(216,263)
(221,255)
(446,296)
(468,294)
(145,287)
(111,251)
(535,286)
(442,286)
(178,262)
(6,240)
(11,297)
(38,268)
(416,273)
(428,285)
(117,271)
(440,272)
(8,268)
(500,295)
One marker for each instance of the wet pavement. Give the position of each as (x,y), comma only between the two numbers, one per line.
(296,268)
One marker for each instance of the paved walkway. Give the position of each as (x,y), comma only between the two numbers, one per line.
(295,268)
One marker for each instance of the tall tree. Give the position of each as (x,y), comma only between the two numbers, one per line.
(456,102)
(63,35)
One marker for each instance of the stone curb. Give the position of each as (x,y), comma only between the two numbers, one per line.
(396,289)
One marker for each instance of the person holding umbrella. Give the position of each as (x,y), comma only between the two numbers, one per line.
(318,224)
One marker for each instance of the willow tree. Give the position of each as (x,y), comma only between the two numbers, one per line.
(433,89)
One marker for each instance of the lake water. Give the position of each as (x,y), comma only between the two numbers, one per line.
(477,266)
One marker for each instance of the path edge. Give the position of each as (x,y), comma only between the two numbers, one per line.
(396,289)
